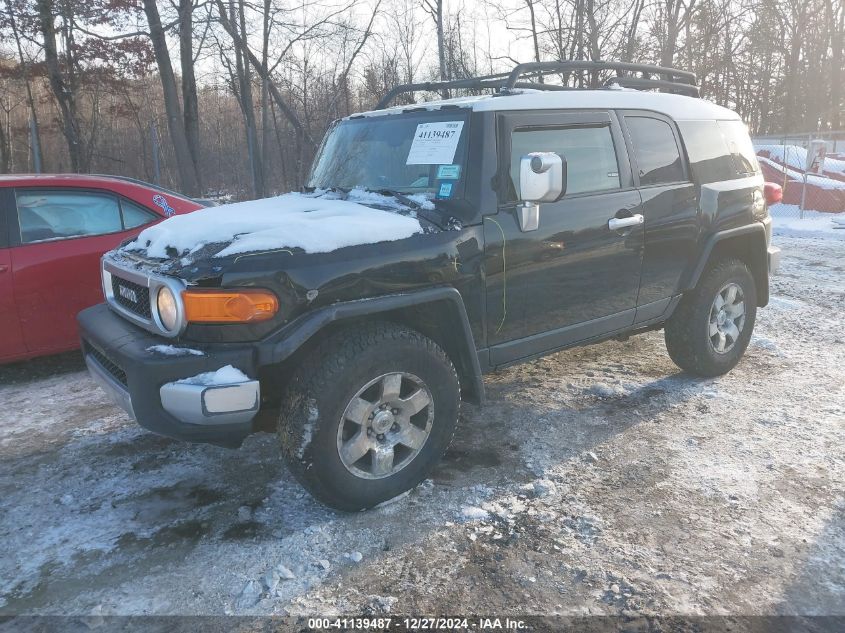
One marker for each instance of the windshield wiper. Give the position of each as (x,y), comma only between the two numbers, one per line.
(401,197)
(434,218)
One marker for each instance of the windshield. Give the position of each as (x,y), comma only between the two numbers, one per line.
(408,153)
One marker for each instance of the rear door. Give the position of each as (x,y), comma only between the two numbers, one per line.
(574,278)
(61,235)
(11,341)
(670,207)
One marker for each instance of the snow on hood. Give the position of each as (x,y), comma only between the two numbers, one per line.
(316,223)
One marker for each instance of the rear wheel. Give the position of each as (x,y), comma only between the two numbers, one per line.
(710,330)
(368,414)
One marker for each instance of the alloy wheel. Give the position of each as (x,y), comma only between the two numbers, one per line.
(385,425)
(727,318)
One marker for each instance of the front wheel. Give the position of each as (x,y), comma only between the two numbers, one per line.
(368,414)
(711,328)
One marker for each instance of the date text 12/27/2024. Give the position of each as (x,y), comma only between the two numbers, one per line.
(416,624)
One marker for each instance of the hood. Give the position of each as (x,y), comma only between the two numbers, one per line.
(318,222)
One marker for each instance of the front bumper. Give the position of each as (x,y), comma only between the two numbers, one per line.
(150,386)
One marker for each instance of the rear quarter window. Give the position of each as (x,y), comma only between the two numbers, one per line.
(709,157)
(740,147)
(135,215)
(718,150)
(655,150)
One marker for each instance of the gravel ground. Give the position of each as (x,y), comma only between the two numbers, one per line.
(595,481)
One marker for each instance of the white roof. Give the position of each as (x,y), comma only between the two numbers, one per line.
(678,107)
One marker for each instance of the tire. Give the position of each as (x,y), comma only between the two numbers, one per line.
(697,330)
(350,376)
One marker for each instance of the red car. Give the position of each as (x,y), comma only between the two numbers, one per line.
(53,230)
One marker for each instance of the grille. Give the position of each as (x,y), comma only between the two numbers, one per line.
(108,364)
(130,290)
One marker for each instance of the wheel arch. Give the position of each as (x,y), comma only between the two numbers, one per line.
(438,313)
(745,243)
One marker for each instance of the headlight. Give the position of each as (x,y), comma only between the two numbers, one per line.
(168,312)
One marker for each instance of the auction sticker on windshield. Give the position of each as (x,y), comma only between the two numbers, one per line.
(435,143)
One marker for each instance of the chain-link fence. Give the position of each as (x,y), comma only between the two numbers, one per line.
(783,159)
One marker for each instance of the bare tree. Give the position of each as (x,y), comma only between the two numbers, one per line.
(673,17)
(836,29)
(190,102)
(102,85)
(188,177)
(435,10)
(25,76)
(521,18)
(405,30)
(241,45)
(62,75)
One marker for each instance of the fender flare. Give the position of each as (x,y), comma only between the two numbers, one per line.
(284,342)
(759,263)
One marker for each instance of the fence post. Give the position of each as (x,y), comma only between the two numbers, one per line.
(785,161)
(804,186)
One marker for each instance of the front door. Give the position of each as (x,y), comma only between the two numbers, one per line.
(575,277)
(56,263)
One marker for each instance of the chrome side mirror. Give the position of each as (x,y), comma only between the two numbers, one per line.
(542,178)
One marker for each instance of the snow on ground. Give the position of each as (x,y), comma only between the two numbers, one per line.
(786,221)
(795,157)
(316,223)
(822,182)
(599,480)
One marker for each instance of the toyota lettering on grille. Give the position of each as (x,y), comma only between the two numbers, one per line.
(127,293)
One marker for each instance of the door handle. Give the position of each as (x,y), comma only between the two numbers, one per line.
(3,268)
(615,224)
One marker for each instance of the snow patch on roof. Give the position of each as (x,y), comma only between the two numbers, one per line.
(316,223)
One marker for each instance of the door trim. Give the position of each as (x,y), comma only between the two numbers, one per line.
(553,340)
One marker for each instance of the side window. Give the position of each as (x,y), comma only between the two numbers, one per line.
(709,157)
(135,215)
(741,148)
(657,153)
(589,152)
(52,215)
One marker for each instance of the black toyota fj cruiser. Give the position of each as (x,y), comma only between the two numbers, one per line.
(544,218)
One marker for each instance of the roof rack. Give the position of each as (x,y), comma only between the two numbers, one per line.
(670,79)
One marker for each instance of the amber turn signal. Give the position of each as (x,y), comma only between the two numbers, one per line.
(244,306)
